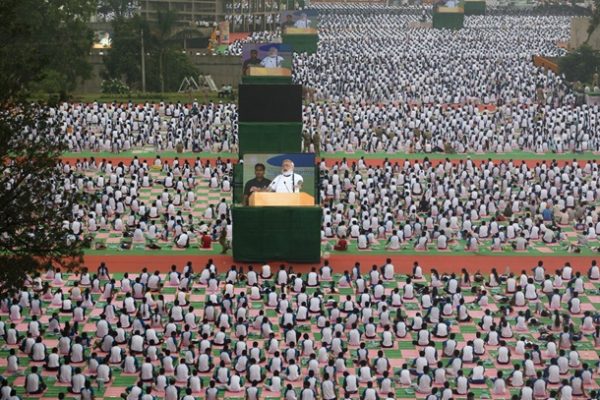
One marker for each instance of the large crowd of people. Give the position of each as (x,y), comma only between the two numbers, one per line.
(263,332)
(378,58)
(499,206)
(507,205)
(391,128)
(112,127)
(376,84)
(333,127)
(379,83)
(149,203)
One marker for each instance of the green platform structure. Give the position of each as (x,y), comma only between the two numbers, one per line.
(267,80)
(474,7)
(289,234)
(273,233)
(269,137)
(448,18)
(301,42)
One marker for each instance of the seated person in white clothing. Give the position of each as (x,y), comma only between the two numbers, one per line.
(183,240)
(34,383)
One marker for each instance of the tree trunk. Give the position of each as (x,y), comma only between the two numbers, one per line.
(161,71)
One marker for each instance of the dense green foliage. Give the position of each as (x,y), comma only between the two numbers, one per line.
(166,65)
(31,220)
(45,46)
(109,9)
(581,64)
(595,20)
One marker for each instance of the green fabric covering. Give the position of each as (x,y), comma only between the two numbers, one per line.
(276,233)
(270,137)
(301,43)
(474,7)
(238,183)
(267,80)
(448,20)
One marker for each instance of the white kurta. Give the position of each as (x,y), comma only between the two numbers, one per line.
(301,23)
(272,61)
(286,184)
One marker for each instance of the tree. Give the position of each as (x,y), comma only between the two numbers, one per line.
(163,35)
(166,65)
(594,20)
(44,38)
(44,42)
(581,64)
(123,59)
(31,219)
(115,9)
(176,67)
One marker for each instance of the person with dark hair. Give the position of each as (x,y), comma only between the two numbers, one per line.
(288,23)
(258,184)
(252,61)
(34,383)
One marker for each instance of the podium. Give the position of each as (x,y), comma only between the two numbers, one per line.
(270,199)
(276,226)
(302,40)
(448,18)
(262,75)
(300,31)
(262,71)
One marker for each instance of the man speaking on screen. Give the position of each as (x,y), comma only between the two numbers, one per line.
(273,60)
(303,22)
(287,181)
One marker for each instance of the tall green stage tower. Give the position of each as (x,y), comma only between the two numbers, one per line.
(281,221)
(276,215)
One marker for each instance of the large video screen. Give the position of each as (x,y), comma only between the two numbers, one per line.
(273,173)
(102,39)
(269,57)
(301,21)
(270,103)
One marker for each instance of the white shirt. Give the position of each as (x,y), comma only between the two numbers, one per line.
(286,183)
(301,23)
(272,61)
